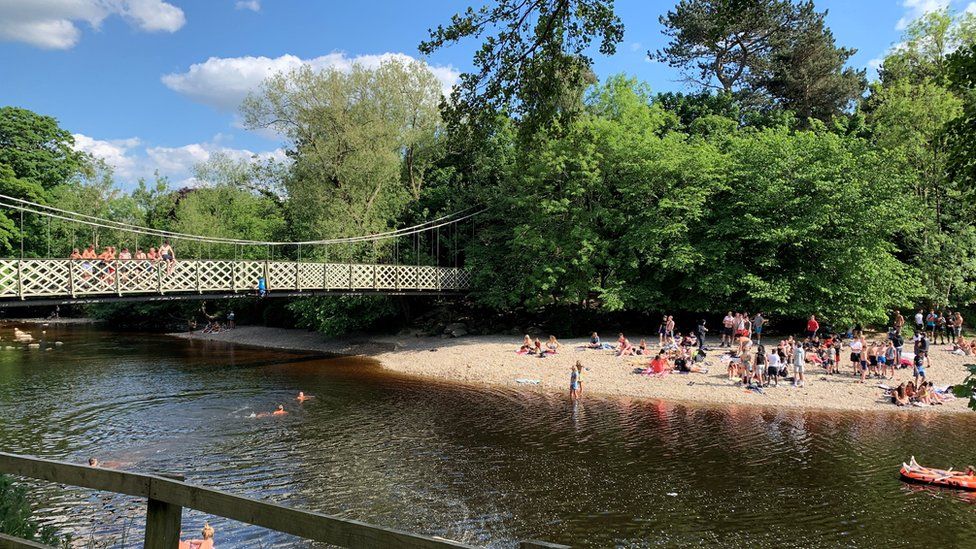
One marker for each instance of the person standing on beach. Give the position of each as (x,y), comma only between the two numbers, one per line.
(899,321)
(757,325)
(957,325)
(812,328)
(576,381)
(799,361)
(919,321)
(727,329)
(700,331)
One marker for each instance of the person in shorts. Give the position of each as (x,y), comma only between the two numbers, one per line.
(799,361)
(920,360)
(727,329)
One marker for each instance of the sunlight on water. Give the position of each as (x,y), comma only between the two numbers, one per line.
(483,466)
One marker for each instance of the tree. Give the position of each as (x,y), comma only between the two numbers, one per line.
(361,143)
(926,44)
(725,44)
(36,155)
(38,150)
(807,75)
(534,55)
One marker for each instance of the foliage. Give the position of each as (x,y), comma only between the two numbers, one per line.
(36,155)
(764,50)
(967,389)
(926,45)
(16,519)
(536,56)
(337,315)
(361,143)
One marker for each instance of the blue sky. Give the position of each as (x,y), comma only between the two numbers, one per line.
(154,84)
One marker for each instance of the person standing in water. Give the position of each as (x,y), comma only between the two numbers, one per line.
(576,381)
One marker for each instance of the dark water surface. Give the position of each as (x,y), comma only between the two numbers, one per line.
(482,466)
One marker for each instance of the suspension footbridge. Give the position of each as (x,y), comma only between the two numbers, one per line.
(28,281)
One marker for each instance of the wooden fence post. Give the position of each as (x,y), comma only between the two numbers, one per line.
(163,524)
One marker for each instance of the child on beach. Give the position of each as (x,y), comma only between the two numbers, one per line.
(920,362)
(799,361)
(576,381)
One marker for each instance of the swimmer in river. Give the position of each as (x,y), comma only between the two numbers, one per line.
(301,397)
(92,462)
(280,411)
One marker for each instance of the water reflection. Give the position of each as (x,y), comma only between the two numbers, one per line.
(483,466)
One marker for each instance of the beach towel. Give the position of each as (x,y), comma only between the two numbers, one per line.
(528,381)
(521,352)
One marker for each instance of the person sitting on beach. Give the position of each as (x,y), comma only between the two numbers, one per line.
(624,347)
(898,396)
(595,341)
(537,346)
(552,345)
(302,397)
(526,344)
(205,543)
(280,411)
(922,395)
(734,363)
(962,347)
(684,363)
(658,365)
(642,349)
(576,381)
(910,391)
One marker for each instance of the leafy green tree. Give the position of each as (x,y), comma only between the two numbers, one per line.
(534,55)
(36,155)
(361,143)
(926,44)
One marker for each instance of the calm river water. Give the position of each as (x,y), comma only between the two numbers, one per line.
(483,466)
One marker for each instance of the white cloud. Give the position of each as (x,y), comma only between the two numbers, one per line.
(223,82)
(971,8)
(116,152)
(636,46)
(253,5)
(50,24)
(131,160)
(917,8)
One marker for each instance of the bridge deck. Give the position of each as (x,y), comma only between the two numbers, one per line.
(58,279)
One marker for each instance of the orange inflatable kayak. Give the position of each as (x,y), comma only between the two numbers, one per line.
(913,472)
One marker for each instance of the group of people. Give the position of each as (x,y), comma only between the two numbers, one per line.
(109,258)
(755,365)
(535,347)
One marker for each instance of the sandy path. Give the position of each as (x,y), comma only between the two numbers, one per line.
(491,360)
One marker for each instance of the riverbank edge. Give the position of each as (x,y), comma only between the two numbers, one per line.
(83,320)
(406,354)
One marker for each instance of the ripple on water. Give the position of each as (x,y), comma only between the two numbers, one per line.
(486,466)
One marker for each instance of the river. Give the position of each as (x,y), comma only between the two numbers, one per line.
(479,465)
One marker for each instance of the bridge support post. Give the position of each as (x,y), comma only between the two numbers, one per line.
(298,273)
(118,278)
(267,279)
(159,278)
(375,282)
(71,277)
(233,276)
(350,277)
(20,279)
(199,265)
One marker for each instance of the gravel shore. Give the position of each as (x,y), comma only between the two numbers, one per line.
(492,361)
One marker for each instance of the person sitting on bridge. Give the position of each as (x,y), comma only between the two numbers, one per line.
(75,254)
(153,255)
(108,269)
(124,256)
(167,254)
(86,257)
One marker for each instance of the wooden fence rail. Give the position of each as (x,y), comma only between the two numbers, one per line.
(22,279)
(167,497)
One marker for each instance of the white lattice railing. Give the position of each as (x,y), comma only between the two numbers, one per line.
(27,278)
